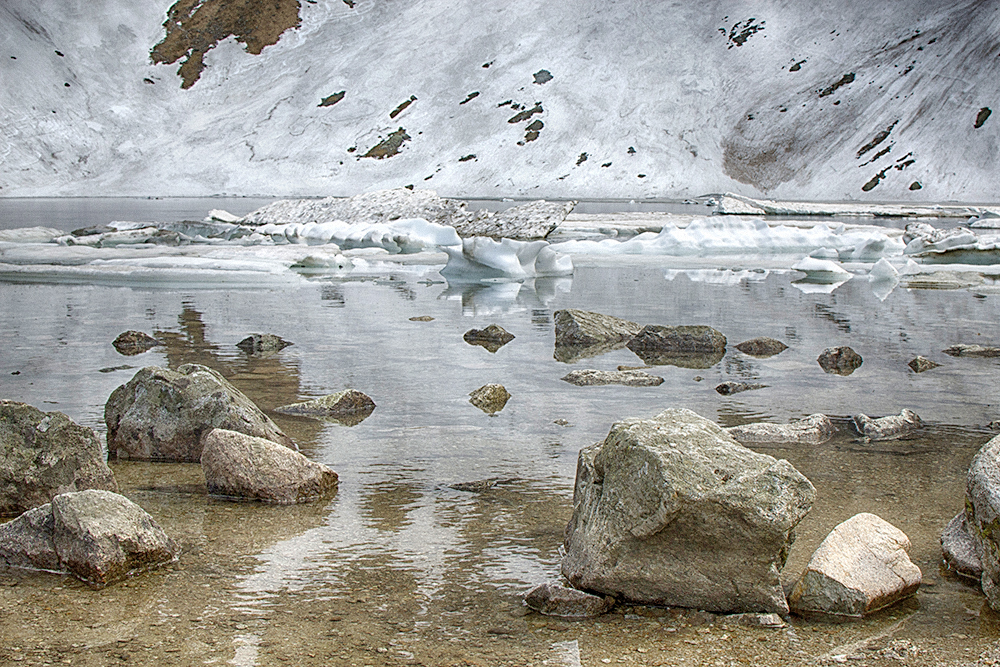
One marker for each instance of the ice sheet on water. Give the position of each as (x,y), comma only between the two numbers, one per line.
(481,258)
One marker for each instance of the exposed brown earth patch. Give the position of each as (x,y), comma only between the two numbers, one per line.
(389,146)
(195,27)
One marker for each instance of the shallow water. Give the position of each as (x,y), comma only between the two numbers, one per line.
(401,568)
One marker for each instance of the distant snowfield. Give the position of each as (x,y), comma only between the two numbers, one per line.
(846,100)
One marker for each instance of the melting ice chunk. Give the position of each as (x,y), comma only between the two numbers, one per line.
(482,258)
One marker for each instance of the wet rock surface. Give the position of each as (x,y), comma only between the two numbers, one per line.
(131,343)
(44,454)
(730,387)
(673,511)
(959,550)
(581,334)
(242,467)
(557,600)
(343,404)
(97,536)
(920,364)
(161,414)
(490,398)
(982,513)
(862,566)
(492,337)
(892,427)
(813,429)
(593,378)
(687,346)
(839,360)
(262,343)
(762,347)
(972,351)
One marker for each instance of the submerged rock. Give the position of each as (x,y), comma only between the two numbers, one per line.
(492,337)
(243,467)
(982,514)
(959,550)
(581,334)
(972,351)
(131,343)
(262,343)
(97,536)
(527,222)
(839,360)
(695,346)
(161,414)
(862,566)
(44,454)
(762,347)
(672,511)
(490,398)
(592,378)
(892,427)
(555,600)
(344,404)
(811,430)
(727,388)
(920,364)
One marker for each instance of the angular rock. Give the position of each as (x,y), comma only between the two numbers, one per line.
(244,467)
(839,360)
(422,318)
(920,364)
(43,454)
(982,515)
(972,351)
(672,511)
(555,600)
(131,343)
(769,621)
(862,566)
(26,542)
(581,334)
(728,388)
(492,337)
(811,430)
(262,343)
(592,378)
(892,427)
(695,346)
(959,550)
(161,414)
(762,347)
(490,398)
(350,405)
(527,222)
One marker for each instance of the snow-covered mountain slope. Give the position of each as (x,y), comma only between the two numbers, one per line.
(846,99)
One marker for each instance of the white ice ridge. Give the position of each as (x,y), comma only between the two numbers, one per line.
(398,236)
(732,204)
(482,258)
(725,235)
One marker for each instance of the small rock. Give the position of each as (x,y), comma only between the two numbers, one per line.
(959,550)
(840,360)
(422,318)
(131,343)
(490,398)
(561,422)
(555,600)
(892,427)
(762,347)
(920,364)
(770,621)
(862,566)
(972,351)
(243,467)
(727,388)
(492,337)
(348,404)
(481,485)
(591,378)
(262,343)
(812,430)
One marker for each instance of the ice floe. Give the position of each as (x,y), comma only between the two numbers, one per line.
(482,258)
(732,204)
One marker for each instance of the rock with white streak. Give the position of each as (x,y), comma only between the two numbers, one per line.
(862,566)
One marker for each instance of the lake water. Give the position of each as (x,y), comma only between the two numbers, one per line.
(400,567)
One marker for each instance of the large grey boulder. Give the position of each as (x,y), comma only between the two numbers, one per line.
(959,550)
(589,377)
(581,334)
(688,346)
(672,511)
(243,467)
(982,513)
(97,536)
(527,222)
(862,566)
(811,430)
(161,414)
(43,454)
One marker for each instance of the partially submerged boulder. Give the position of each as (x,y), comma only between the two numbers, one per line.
(490,398)
(811,430)
(556,600)
(256,344)
(839,360)
(862,566)
(972,351)
(672,511)
(731,387)
(581,334)
(694,346)
(131,343)
(97,536)
(982,513)
(243,467)
(920,364)
(892,427)
(348,405)
(492,337)
(762,347)
(44,454)
(161,414)
(959,550)
(591,378)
